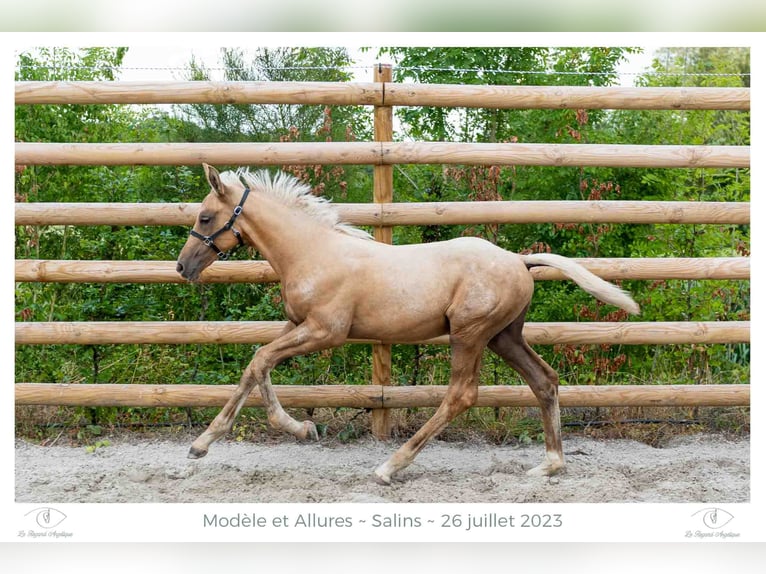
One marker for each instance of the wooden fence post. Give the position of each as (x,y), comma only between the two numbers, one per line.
(383,192)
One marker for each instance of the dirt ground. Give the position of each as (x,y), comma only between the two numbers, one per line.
(698,468)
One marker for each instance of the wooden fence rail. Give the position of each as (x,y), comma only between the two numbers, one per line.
(383,94)
(567,97)
(390,214)
(376,396)
(384,153)
(256,332)
(611,269)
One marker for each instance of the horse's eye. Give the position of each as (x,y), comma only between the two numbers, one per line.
(205,219)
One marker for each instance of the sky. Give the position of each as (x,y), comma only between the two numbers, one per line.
(155,63)
(155,56)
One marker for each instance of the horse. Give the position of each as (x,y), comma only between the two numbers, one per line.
(338,283)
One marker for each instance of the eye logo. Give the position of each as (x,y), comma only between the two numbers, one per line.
(47,517)
(714,518)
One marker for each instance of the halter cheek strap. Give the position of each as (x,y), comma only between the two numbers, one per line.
(209,240)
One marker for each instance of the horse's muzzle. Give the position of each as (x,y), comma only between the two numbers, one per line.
(189,275)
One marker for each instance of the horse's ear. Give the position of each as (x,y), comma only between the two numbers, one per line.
(213,178)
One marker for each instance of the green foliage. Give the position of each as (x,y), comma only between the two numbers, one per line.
(91,448)
(242,122)
(562,301)
(671,300)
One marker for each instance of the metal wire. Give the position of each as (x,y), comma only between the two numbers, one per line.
(400,68)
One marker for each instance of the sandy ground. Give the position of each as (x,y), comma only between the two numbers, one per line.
(701,468)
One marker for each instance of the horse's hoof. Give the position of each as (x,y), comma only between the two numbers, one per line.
(195,453)
(381,480)
(310,431)
(537,471)
(546,469)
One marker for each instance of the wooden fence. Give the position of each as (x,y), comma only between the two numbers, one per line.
(383,154)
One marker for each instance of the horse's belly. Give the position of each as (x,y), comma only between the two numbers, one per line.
(416,296)
(399,327)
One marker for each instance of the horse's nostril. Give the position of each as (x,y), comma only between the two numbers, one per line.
(180,267)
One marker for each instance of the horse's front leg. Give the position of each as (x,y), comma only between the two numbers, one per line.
(309,336)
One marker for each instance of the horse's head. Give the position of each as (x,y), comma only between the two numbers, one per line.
(213,234)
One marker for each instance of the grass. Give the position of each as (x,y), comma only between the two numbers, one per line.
(506,425)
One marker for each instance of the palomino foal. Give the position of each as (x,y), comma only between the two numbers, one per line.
(337,284)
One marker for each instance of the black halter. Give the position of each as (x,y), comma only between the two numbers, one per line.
(229,225)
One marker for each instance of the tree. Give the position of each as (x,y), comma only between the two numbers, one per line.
(269,122)
(691,299)
(86,302)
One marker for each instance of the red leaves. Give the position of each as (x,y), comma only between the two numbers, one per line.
(536,247)
(581,117)
(597,190)
(483,183)
(25,314)
(743,248)
(319,176)
(592,357)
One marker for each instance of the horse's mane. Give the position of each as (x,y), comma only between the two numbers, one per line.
(292,192)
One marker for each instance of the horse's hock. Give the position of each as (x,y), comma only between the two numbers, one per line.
(382,214)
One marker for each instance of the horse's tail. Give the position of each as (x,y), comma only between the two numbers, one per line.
(600,289)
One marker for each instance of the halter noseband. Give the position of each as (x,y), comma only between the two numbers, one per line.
(229,225)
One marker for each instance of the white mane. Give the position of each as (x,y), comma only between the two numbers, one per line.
(291,192)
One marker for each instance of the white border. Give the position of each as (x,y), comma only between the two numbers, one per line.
(424,523)
(184,522)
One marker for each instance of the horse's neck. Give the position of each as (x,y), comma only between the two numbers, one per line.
(284,235)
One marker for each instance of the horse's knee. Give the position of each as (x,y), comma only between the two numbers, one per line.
(256,370)
(552,377)
(466,399)
(546,390)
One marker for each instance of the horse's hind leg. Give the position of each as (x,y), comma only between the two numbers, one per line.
(543,381)
(461,394)
(305,338)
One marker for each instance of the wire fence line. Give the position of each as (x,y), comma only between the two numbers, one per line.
(648,73)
